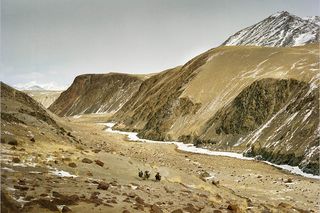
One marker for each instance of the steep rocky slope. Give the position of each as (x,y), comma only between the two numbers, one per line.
(180,104)
(18,107)
(277,119)
(278,30)
(24,119)
(44,97)
(96,93)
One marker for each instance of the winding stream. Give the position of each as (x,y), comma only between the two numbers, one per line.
(133,136)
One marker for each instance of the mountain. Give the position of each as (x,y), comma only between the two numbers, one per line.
(35,87)
(257,94)
(44,97)
(313,19)
(265,100)
(278,30)
(96,93)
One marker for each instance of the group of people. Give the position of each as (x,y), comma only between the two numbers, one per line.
(146,175)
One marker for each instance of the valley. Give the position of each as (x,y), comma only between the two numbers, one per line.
(187,178)
(234,129)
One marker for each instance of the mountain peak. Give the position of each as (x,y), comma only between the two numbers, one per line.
(278,30)
(280,13)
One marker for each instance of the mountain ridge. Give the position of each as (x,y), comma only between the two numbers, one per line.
(278,30)
(96,93)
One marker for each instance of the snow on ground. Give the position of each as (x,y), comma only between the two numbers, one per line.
(132,136)
(62,173)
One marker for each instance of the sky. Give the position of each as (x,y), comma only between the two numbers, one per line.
(50,42)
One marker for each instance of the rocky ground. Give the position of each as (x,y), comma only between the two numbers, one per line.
(98,172)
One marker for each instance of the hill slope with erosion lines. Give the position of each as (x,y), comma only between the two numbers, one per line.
(96,93)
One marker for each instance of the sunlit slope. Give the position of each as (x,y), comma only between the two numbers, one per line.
(231,69)
(192,102)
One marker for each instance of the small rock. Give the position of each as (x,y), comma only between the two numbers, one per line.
(285,205)
(139,207)
(22,188)
(289,180)
(65,209)
(22,182)
(100,163)
(16,160)
(86,160)
(139,200)
(73,165)
(215,182)
(32,140)
(234,207)
(13,142)
(177,211)
(132,195)
(190,208)
(155,209)
(103,186)
(47,204)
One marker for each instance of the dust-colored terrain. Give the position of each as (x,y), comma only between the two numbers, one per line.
(86,169)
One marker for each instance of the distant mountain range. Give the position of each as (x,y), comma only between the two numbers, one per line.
(34,86)
(278,30)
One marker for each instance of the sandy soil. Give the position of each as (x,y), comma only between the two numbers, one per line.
(190,182)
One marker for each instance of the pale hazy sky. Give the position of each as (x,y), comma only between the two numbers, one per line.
(52,41)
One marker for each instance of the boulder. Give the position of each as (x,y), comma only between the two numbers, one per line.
(139,200)
(73,165)
(98,162)
(65,209)
(289,180)
(86,160)
(16,160)
(155,209)
(103,186)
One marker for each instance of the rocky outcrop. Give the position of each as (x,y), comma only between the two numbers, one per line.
(278,30)
(96,93)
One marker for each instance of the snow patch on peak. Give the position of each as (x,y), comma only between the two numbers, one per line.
(313,19)
(278,30)
(277,14)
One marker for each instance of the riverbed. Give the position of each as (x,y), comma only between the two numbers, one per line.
(133,136)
